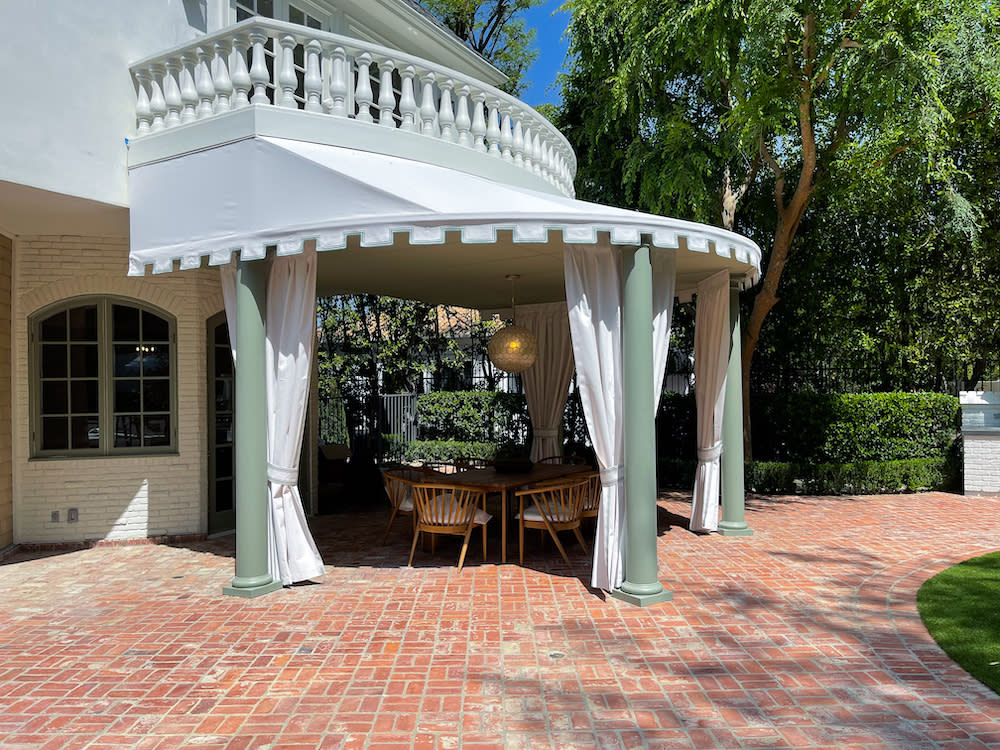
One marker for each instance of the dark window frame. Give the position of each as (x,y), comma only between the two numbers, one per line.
(109,418)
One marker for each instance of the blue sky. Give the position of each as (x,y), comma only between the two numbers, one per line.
(550,24)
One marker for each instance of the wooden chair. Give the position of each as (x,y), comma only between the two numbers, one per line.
(448,509)
(576,460)
(592,497)
(398,486)
(555,507)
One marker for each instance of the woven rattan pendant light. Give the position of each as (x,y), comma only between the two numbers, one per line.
(513,348)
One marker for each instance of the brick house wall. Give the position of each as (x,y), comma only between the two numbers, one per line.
(6,497)
(117,497)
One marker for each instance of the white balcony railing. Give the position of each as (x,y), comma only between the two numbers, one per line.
(276,64)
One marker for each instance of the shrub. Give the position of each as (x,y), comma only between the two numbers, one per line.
(472,416)
(853,478)
(828,428)
(446,450)
(844,428)
(856,478)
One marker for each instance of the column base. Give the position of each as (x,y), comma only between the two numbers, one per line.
(643,600)
(250,592)
(734,528)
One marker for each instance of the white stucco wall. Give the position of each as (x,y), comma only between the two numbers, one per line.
(117,497)
(69,102)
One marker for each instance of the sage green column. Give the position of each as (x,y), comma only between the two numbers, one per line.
(733,522)
(252,577)
(641,585)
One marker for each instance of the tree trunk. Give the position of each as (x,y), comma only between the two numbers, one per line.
(765,300)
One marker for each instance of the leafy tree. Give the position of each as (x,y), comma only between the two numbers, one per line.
(494,29)
(701,107)
(892,283)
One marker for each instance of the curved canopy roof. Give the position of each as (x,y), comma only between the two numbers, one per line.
(392,226)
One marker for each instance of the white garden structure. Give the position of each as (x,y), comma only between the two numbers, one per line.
(302,161)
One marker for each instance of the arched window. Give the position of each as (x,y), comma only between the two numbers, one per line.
(102,379)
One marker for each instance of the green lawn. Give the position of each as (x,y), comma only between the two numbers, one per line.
(960,607)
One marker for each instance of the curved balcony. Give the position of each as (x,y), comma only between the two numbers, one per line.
(274,78)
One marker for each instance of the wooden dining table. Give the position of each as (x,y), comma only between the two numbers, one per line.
(490,480)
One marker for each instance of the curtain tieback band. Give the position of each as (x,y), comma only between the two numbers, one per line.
(546,433)
(611,476)
(282,474)
(711,453)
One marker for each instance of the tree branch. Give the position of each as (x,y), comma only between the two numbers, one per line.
(900,149)
(779,176)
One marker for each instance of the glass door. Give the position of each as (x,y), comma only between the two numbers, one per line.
(221,434)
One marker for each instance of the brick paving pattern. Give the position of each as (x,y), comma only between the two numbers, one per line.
(804,635)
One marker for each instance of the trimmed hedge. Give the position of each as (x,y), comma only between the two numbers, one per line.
(854,478)
(472,416)
(829,428)
(842,428)
(446,450)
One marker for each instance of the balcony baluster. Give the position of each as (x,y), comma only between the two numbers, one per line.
(463,124)
(286,79)
(189,94)
(478,122)
(517,143)
(240,74)
(312,81)
(407,102)
(363,95)
(506,137)
(529,153)
(157,102)
(221,81)
(203,83)
(493,129)
(172,95)
(446,113)
(259,77)
(143,113)
(428,112)
(338,82)
(386,96)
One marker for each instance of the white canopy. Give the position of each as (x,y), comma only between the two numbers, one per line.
(400,227)
(418,231)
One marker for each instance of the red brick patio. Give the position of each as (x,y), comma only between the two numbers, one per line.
(804,635)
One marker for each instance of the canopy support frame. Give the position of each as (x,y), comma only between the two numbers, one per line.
(641,585)
(252,578)
(733,521)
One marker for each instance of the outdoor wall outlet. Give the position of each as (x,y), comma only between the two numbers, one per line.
(55,516)
(72,515)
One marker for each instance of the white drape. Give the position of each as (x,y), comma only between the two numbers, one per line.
(546,383)
(711,358)
(594,299)
(291,328)
(664,286)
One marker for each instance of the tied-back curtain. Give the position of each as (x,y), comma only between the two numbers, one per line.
(291,328)
(594,296)
(711,358)
(594,299)
(546,384)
